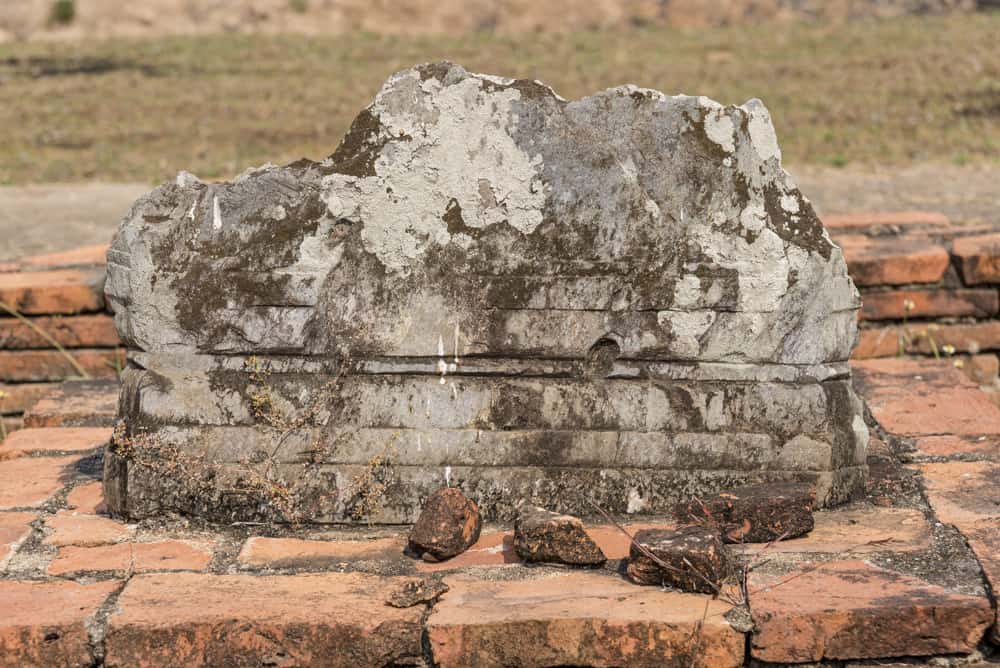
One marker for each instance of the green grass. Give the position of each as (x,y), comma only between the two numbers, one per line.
(872,92)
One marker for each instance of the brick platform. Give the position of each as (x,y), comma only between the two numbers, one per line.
(899,573)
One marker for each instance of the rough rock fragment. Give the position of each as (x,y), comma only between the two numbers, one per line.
(416,591)
(754,513)
(486,286)
(691,559)
(543,536)
(448,525)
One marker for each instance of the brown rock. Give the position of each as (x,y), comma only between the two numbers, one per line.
(448,525)
(188,619)
(544,536)
(45,623)
(754,513)
(851,610)
(691,559)
(579,619)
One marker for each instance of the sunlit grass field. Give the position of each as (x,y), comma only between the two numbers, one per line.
(863,93)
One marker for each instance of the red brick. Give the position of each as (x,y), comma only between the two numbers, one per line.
(61,291)
(279,553)
(186,619)
(851,610)
(82,256)
(164,555)
(978,258)
(893,261)
(984,539)
(857,531)
(87,498)
(926,397)
(906,220)
(76,403)
(962,493)
(45,623)
(28,482)
(73,439)
(578,618)
(50,365)
(890,304)
(949,446)
(981,369)
(70,528)
(10,425)
(14,528)
(971,338)
(78,331)
(18,397)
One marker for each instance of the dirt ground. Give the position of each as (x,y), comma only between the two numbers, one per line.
(45,218)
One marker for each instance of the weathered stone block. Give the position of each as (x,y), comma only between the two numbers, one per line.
(622,298)
(691,559)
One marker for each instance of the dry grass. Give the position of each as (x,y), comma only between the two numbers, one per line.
(885,92)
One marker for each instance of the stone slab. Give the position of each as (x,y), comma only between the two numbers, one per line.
(978,258)
(306,620)
(54,440)
(578,619)
(76,528)
(87,498)
(34,366)
(299,554)
(14,528)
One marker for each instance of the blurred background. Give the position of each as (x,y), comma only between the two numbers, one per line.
(878,104)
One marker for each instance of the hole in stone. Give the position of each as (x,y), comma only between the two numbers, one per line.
(601,357)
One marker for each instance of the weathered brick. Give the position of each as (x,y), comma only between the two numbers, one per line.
(14,528)
(962,493)
(279,553)
(45,623)
(857,531)
(578,618)
(971,338)
(82,256)
(11,424)
(891,304)
(949,446)
(187,619)
(982,369)
(893,261)
(71,528)
(76,403)
(72,439)
(984,539)
(87,498)
(925,397)
(60,291)
(901,220)
(28,482)
(163,555)
(978,258)
(848,609)
(20,396)
(51,365)
(78,331)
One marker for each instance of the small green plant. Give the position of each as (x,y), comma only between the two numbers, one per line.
(299,6)
(63,11)
(3,427)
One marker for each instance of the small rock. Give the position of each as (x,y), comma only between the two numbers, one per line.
(448,525)
(414,592)
(755,513)
(693,559)
(546,537)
